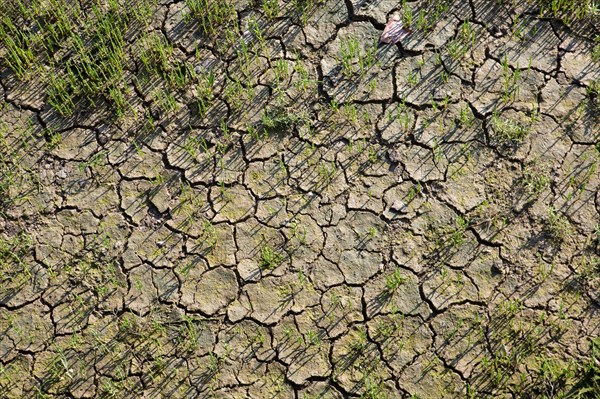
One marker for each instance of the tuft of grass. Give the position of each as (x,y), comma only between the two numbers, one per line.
(535,179)
(393,281)
(269,258)
(281,118)
(19,54)
(596,49)
(407,16)
(508,131)
(213,16)
(466,39)
(510,82)
(588,387)
(558,225)
(304,8)
(351,55)
(568,10)
(271,9)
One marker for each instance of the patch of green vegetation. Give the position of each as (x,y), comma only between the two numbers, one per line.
(304,8)
(269,258)
(589,267)
(535,179)
(510,81)
(95,56)
(213,16)
(457,235)
(394,281)
(596,49)
(19,56)
(374,388)
(12,252)
(280,118)
(91,46)
(593,92)
(568,10)
(559,226)
(352,56)
(589,385)
(508,131)
(156,57)
(407,15)
(465,40)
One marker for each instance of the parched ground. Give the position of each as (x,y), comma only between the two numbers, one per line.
(308,214)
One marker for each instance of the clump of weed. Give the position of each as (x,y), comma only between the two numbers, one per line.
(559,226)
(430,13)
(510,81)
(535,179)
(280,118)
(459,47)
(19,54)
(508,131)
(270,9)
(588,268)
(588,386)
(568,10)
(407,15)
(593,92)
(303,9)
(13,250)
(596,49)
(351,56)
(212,15)
(269,258)
(393,281)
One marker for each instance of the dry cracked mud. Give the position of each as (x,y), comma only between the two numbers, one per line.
(336,219)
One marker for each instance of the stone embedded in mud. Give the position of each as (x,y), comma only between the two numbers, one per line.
(399,206)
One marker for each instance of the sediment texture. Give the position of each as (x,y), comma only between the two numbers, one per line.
(336,219)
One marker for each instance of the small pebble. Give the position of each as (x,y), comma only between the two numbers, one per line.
(102,139)
(399,206)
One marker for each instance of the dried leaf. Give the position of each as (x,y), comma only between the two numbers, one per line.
(394,31)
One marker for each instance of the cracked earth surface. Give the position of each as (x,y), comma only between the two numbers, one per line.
(392,236)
